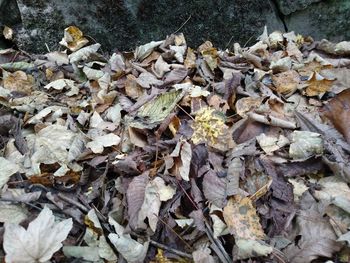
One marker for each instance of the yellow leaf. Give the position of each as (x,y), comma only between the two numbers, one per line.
(317,85)
(73,38)
(207,126)
(242,220)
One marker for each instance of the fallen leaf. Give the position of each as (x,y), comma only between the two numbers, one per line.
(337,111)
(19,82)
(248,248)
(11,213)
(144,51)
(317,85)
(73,38)
(130,249)
(7,169)
(183,154)
(305,144)
(316,237)
(286,83)
(242,220)
(39,242)
(103,141)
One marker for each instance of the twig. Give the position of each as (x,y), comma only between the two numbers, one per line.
(224,257)
(19,201)
(47,47)
(183,24)
(73,202)
(172,250)
(172,230)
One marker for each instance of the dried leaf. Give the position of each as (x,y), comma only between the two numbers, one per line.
(318,85)
(84,53)
(248,248)
(242,220)
(39,242)
(144,51)
(103,141)
(286,83)
(305,144)
(73,38)
(337,111)
(14,214)
(19,82)
(184,153)
(8,168)
(157,110)
(130,249)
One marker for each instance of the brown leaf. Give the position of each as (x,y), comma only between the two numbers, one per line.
(286,83)
(242,220)
(316,236)
(318,85)
(337,111)
(135,196)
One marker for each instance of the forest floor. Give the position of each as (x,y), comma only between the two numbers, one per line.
(173,154)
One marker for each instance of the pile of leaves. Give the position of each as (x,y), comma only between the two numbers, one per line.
(170,154)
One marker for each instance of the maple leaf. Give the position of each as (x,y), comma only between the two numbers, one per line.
(39,242)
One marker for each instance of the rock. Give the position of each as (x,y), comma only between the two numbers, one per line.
(325,19)
(124,24)
(290,6)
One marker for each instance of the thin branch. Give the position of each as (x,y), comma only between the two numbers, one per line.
(172,250)
(73,202)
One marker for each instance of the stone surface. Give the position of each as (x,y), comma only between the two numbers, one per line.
(326,19)
(290,6)
(123,24)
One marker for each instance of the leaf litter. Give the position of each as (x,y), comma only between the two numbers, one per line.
(174,154)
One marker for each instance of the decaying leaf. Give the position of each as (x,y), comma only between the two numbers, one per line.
(130,249)
(95,239)
(305,144)
(157,110)
(286,83)
(182,159)
(334,191)
(248,248)
(270,143)
(39,242)
(315,236)
(144,198)
(207,126)
(11,213)
(242,220)
(19,82)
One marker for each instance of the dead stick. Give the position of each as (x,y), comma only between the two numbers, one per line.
(172,250)
(73,202)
